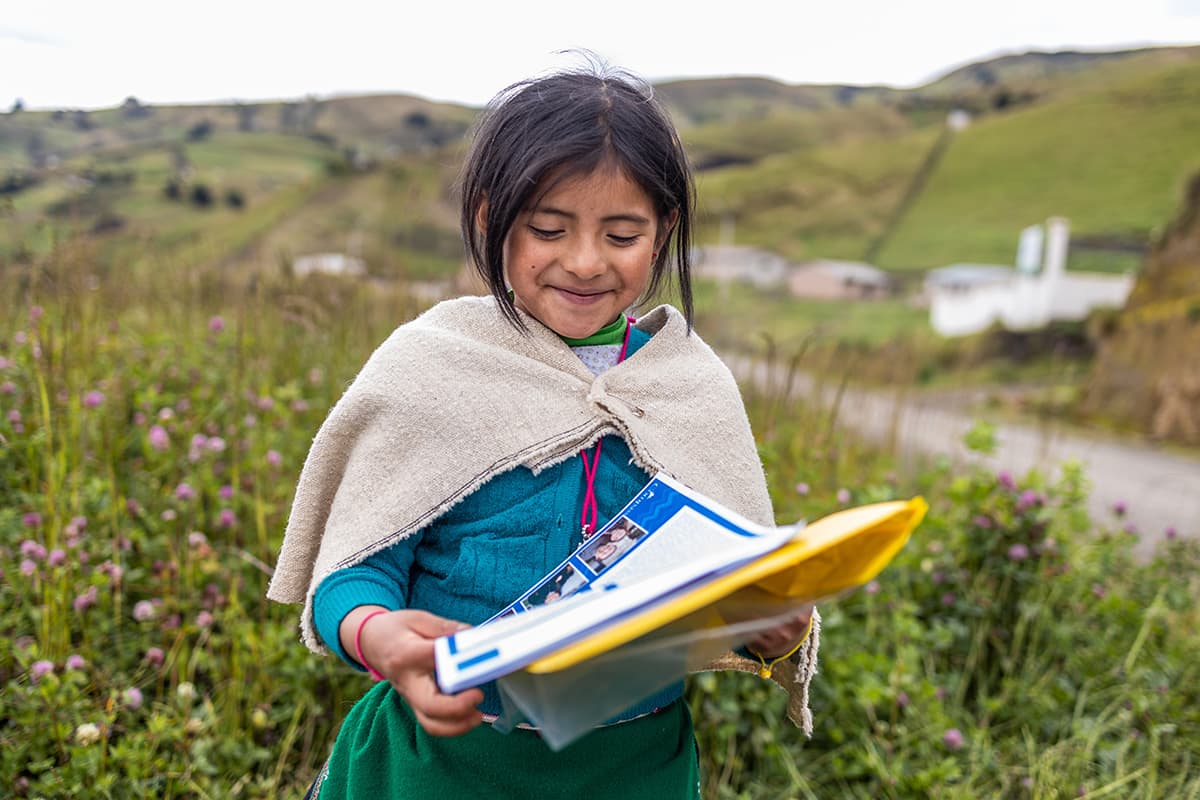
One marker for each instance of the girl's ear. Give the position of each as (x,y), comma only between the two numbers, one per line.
(481,216)
(664,230)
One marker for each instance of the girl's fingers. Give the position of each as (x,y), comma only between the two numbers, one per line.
(425,698)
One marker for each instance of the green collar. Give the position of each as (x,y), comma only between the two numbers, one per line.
(612,333)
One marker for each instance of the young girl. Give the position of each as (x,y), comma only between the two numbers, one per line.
(484,440)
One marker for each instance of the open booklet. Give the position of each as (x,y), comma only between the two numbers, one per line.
(671,582)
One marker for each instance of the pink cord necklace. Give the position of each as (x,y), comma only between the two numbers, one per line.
(591,509)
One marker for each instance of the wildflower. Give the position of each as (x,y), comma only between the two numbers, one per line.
(32,549)
(196,539)
(87,733)
(226,519)
(1099,591)
(216,444)
(86,600)
(32,520)
(1005,479)
(982,521)
(135,508)
(78,523)
(93,399)
(274,459)
(1171,533)
(20,337)
(76,661)
(1029,499)
(193,726)
(154,656)
(1130,529)
(872,587)
(186,691)
(165,414)
(938,578)
(249,420)
(259,718)
(133,697)
(225,492)
(159,439)
(143,610)
(204,619)
(940,693)
(40,669)
(139,418)
(843,496)
(8,387)
(902,699)
(953,739)
(315,375)
(184,405)
(5,363)
(35,313)
(802,489)
(1018,552)
(57,557)
(28,568)
(1119,508)
(266,403)
(948,599)
(299,405)
(168,515)
(216,324)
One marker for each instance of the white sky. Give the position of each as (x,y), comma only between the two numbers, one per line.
(83,53)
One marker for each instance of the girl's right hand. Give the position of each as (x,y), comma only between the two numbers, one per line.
(399,645)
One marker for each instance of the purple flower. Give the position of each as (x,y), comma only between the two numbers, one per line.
(31,519)
(8,387)
(872,587)
(76,661)
(982,521)
(93,399)
(225,492)
(155,656)
(1171,533)
(216,324)
(139,418)
(940,693)
(40,669)
(802,489)
(843,496)
(168,514)
(28,568)
(57,557)
(299,405)
(159,439)
(902,699)
(133,697)
(185,492)
(204,619)
(216,444)
(32,549)
(165,414)
(1099,591)
(274,458)
(1005,479)
(1120,508)
(953,739)
(1028,499)
(1018,552)
(197,539)
(143,610)
(35,313)
(948,599)
(226,519)
(265,403)
(316,375)
(86,600)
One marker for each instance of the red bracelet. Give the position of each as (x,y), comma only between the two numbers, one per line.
(358,653)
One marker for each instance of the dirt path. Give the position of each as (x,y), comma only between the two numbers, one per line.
(1160,489)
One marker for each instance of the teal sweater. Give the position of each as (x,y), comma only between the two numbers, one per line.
(483,553)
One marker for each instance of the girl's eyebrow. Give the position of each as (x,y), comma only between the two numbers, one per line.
(626,217)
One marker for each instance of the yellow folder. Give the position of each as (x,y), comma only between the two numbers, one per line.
(836,553)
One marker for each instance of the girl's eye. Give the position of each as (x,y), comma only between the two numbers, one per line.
(623,241)
(543,233)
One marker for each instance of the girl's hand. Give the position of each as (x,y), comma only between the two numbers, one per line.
(775,642)
(399,645)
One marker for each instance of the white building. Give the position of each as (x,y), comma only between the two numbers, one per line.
(966,300)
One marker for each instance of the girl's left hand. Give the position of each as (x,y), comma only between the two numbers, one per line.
(775,642)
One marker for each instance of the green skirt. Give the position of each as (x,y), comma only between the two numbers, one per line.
(383,752)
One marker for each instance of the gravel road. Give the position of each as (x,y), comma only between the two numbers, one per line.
(1161,489)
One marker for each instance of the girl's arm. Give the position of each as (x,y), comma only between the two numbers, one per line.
(399,645)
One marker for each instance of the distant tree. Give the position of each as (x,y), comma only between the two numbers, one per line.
(17,107)
(201,196)
(235,199)
(245,116)
(200,131)
(1001,100)
(172,190)
(82,120)
(417,119)
(59,115)
(133,108)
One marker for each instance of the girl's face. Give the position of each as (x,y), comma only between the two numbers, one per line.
(584,253)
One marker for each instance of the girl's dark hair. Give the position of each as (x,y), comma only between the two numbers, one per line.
(541,131)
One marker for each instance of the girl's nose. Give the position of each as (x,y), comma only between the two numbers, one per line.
(584,260)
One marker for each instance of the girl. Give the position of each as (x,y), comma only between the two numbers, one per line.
(484,440)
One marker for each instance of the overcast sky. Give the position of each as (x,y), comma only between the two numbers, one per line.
(71,53)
